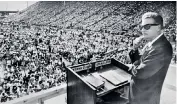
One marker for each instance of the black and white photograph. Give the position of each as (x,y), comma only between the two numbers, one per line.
(88,52)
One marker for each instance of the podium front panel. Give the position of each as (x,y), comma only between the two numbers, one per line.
(78,92)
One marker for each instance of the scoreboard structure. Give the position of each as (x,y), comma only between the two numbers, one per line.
(89,81)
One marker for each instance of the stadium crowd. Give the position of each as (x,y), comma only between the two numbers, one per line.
(32,56)
(28,63)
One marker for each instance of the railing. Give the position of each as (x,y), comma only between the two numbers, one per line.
(39,97)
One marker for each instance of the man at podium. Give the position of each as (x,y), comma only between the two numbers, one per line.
(149,74)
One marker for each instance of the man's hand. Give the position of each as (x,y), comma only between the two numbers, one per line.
(130,67)
(133,70)
(137,42)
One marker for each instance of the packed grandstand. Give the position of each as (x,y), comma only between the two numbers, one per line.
(35,42)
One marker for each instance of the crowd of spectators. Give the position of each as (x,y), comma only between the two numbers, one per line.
(28,63)
(32,56)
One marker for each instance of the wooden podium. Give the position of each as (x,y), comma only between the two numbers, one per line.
(89,81)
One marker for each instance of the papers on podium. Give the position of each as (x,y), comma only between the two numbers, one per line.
(95,82)
(113,77)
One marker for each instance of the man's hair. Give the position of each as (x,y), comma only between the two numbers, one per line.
(157,17)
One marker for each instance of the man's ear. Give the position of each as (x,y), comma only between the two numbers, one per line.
(159,28)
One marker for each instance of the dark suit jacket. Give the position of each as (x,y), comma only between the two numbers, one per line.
(146,85)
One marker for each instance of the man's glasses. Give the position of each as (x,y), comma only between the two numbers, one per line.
(147,26)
